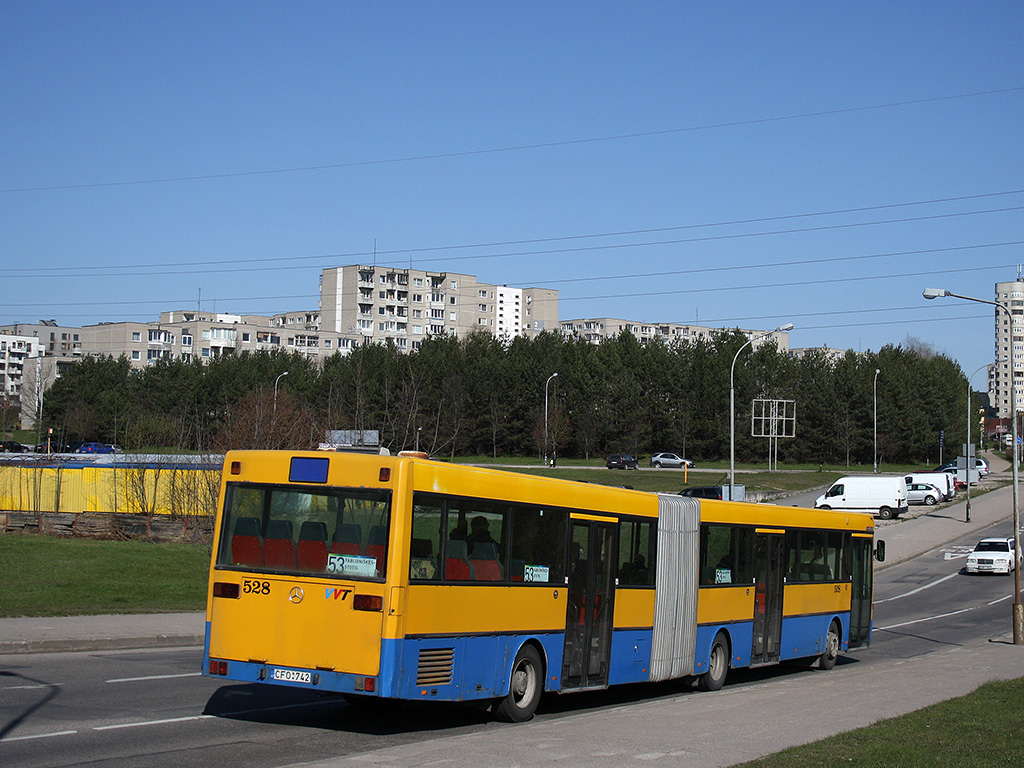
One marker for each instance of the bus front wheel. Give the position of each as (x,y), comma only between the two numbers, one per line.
(827,660)
(718,665)
(525,686)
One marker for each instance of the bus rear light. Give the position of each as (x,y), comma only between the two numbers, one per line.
(371,684)
(385,474)
(225,589)
(218,667)
(236,467)
(368,603)
(365,684)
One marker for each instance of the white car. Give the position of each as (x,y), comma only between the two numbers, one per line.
(992,556)
(670,460)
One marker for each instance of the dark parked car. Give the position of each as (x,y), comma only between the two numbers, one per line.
(704,492)
(622,461)
(10,446)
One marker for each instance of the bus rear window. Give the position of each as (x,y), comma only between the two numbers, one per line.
(312,531)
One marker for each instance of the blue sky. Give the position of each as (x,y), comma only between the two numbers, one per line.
(728,164)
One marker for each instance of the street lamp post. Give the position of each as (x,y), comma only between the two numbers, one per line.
(546,417)
(418,430)
(967,462)
(275,390)
(732,404)
(1018,607)
(874,397)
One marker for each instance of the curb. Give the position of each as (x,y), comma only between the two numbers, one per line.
(71,645)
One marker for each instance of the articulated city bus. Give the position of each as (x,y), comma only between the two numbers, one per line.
(399,577)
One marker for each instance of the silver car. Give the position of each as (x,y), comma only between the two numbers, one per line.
(923,493)
(670,460)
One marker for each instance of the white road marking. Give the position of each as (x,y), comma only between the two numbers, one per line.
(153,722)
(38,736)
(919,589)
(928,618)
(152,677)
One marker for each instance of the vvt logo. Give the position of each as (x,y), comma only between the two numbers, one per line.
(336,592)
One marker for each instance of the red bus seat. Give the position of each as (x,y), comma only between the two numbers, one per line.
(377,544)
(456,565)
(347,538)
(246,542)
(311,551)
(485,561)
(278,547)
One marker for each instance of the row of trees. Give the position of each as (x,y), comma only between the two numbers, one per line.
(484,396)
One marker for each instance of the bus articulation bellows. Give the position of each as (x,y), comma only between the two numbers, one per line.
(399,577)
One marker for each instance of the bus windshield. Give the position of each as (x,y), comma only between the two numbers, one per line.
(333,532)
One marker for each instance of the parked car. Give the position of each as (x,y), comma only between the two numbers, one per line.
(923,493)
(992,556)
(622,461)
(670,460)
(94,448)
(944,481)
(979,464)
(703,492)
(11,446)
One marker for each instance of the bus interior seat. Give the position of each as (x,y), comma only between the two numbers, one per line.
(278,547)
(457,565)
(484,560)
(246,542)
(346,539)
(377,542)
(311,551)
(422,564)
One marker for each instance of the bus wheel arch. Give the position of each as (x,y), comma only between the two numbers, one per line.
(718,663)
(833,642)
(526,684)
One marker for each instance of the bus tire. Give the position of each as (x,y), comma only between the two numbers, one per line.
(827,660)
(885,513)
(524,688)
(718,665)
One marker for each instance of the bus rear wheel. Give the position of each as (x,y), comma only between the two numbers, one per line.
(718,665)
(525,686)
(827,660)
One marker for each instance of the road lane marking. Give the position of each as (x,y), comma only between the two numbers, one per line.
(919,589)
(38,736)
(30,687)
(928,618)
(153,722)
(152,677)
(1001,599)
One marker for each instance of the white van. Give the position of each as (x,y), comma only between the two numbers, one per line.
(942,480)
(881,495)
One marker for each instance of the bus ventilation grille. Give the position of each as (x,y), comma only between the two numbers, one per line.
(435,666)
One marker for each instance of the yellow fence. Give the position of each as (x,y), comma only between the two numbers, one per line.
(141,489)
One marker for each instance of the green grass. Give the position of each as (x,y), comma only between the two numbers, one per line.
(47,576)
(979,730)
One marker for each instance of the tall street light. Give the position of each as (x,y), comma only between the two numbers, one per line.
(874,396)
(732,404)
(275,390)
(1018,607)
(546,417)
(967,462)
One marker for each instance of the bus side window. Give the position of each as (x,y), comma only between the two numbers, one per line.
(425,546)
(422,563)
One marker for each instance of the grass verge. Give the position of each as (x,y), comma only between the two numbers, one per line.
(46,576)
(979,730)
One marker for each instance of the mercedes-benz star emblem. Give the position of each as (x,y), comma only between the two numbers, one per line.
(296,595)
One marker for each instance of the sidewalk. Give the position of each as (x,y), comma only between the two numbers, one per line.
(904,539)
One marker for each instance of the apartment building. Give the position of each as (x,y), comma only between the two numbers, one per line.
(15,354)
(405,306)
(1009,338)
(596,329)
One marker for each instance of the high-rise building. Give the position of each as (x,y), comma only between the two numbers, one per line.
(1009,344)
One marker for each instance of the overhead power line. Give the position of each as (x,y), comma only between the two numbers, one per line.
(520,147)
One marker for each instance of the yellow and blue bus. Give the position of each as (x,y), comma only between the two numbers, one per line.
(400,577)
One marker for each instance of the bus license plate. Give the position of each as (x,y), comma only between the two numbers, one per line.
(293,675)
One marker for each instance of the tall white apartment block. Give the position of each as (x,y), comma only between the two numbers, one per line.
(405,306)
(1009,343)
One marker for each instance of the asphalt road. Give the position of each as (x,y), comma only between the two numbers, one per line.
(152,708)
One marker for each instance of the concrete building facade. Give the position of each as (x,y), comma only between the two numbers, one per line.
(1009,338)
(596,329)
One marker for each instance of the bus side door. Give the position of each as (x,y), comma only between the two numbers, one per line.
(769,565)
(588,621)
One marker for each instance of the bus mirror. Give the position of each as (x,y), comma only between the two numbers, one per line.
(880,551)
